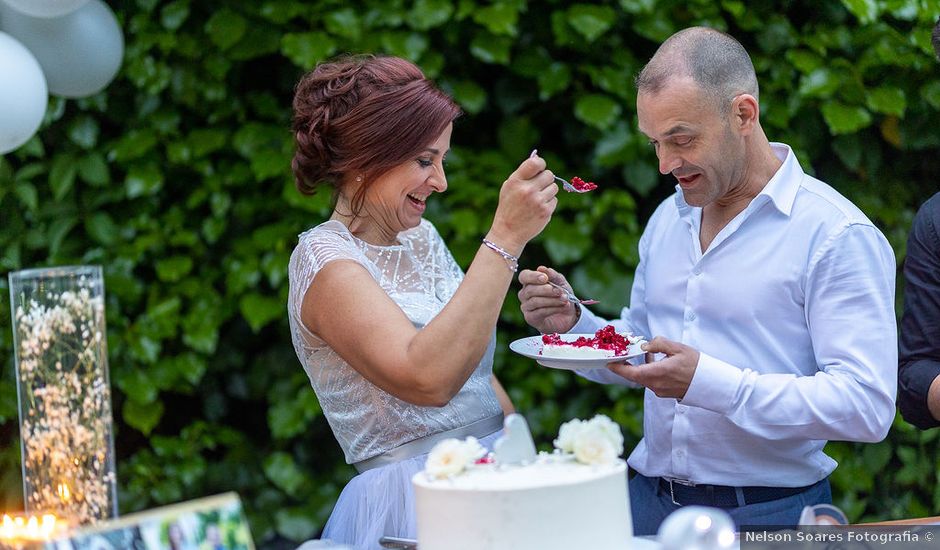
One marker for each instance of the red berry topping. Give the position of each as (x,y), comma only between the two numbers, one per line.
(582,185)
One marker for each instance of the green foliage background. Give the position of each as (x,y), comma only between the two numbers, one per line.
(176,179)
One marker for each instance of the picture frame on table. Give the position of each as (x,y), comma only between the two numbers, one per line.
(211,523)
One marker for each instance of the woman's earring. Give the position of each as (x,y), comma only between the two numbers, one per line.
(358,179)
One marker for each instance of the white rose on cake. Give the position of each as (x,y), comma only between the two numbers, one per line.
(567,434)
(595,441)
(593,446)
(452,456)
(611,429)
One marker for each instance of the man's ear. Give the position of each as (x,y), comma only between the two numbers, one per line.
(745,113)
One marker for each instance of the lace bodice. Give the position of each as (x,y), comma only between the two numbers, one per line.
(420,275)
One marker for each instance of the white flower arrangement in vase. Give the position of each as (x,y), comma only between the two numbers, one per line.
(64,393)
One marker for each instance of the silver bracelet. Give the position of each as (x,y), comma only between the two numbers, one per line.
(510,259)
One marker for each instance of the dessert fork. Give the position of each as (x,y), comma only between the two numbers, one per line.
(571,297)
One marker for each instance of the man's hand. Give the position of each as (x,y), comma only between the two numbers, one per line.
(543,306)
(669,377)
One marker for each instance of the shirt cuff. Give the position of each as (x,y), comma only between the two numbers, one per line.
(714,385)
(913,385)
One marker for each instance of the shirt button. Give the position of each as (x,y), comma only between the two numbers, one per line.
(690,316)
(680,409)
(679,453)
(697,271)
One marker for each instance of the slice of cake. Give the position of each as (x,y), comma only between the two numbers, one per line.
(606,342)
(575,497)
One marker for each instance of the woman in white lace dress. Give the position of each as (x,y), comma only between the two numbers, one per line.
(397,341)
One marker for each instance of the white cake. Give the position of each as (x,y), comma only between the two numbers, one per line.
(554,502)
(577,352)
(606,342)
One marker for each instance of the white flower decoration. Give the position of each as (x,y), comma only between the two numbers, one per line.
(611,429)
(594,441)
(593,446)
(566,435)
(452,456)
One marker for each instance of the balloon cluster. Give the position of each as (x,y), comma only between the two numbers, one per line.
(68,48)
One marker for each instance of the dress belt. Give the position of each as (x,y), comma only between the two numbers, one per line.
(479,429)
(722,496)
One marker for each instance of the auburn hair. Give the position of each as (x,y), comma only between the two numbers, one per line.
(363,115)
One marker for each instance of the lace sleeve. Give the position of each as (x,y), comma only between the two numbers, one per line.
(315,249)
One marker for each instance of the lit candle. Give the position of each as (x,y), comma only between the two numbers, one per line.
(18,531)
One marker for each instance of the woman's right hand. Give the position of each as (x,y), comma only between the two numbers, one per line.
(527,200)
(545,307)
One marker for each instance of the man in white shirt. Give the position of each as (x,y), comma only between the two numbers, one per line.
(770,296)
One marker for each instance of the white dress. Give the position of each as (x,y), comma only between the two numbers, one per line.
(420,275)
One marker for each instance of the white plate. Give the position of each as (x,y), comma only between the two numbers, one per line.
(532,347)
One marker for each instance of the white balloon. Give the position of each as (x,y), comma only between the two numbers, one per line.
(80,53)
(45,8)
(23,95)
(697,528)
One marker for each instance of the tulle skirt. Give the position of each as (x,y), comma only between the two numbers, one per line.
(380,502)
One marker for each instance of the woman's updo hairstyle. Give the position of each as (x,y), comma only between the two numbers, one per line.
(363,115)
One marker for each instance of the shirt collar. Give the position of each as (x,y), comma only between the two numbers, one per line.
(781,189)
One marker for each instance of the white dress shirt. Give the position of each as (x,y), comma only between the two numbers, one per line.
(792,309)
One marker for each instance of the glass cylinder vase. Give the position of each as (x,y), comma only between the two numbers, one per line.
(66,426)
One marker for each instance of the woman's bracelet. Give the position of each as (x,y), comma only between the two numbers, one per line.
(510,259)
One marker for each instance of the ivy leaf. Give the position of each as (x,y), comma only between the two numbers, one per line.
(93,169)
(845,119)
(295,523)
(410,45)
(491,49)
(591,21)
(426,14)
(597,110)
(821,82)
(470,95)
(641,176)
(931,93)
(499,19)
(225,28)
(174,268)
(26,193)
(143,180)
(174,14)
(554,79)
(200,327)
(83,131)
(307,49)
(281,469)
(260,310)
(62,176)
(344,22)
(638,6)
(100,227)
(849,150)
(613,147)
(143,417)
(290,417)
(887,100)
(865,10)
(566,242)
(134,144)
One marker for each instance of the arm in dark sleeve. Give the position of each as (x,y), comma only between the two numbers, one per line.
(919,341)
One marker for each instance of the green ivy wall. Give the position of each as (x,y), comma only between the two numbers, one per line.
(176,179)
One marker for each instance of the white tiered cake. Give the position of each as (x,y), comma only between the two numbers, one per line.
(574,498)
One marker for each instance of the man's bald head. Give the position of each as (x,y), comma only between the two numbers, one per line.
(715,61)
